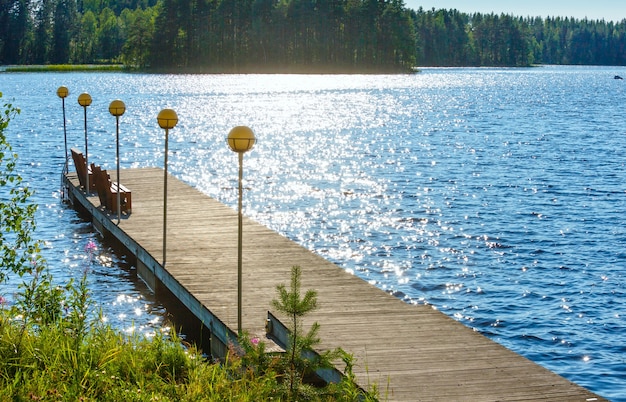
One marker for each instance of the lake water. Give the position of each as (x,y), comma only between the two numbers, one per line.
(496,195)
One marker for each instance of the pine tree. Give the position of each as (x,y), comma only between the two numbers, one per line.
(291,303)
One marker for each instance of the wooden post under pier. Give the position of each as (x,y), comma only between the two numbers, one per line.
(412,352)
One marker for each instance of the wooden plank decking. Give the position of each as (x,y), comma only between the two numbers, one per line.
(412,352)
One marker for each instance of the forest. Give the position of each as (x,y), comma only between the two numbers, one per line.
(451,38)
(293,36)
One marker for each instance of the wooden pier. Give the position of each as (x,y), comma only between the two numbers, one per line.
(412,352)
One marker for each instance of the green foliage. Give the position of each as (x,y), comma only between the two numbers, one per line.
(293,36)
(18,251)
(76,356)
(291,375)
(64,68)
(42,362)
(47,353)
(39,301)
(221,35)
(452,38)
(299,361)
(294,306)
(139,29)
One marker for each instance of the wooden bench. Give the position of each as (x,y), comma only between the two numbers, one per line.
(82,170)
(107,191)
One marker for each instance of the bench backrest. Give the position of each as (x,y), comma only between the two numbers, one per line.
(81,166)
(102,184)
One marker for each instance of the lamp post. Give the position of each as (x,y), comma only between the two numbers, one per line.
(62,93)
(240,139)
(117,108)
(84,100)
(167,119)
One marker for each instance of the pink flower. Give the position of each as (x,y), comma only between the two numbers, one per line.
(91,246)
(255,341)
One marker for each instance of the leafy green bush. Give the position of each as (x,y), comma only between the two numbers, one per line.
(18,251)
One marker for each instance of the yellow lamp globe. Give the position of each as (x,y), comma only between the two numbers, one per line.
(62,92)
(241,139)
(117,107)
(84,99)
(167,118)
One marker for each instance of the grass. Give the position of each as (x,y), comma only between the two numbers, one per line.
(53,347)
(43,362)
(64,68)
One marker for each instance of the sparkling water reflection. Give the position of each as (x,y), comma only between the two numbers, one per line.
(496,195)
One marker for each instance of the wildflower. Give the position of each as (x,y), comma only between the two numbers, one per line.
(255,341)
(91,246)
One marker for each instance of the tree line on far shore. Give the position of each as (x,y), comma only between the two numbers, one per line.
(293,36)
(452,38)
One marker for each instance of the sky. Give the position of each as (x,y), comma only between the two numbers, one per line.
(610,10)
